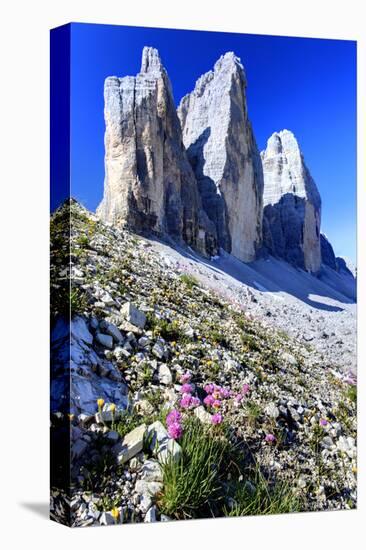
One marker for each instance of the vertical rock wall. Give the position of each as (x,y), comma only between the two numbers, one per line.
(149,183)
(223,153)
(292,204)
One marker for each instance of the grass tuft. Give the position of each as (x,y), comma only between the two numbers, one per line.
(257,496)
(192,485)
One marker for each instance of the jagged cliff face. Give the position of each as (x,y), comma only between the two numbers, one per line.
(223,153)
(292,204)
(149,183)
(328,256)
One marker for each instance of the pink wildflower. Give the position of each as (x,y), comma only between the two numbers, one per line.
(186,401)
(216,404)
(185,377)
(216,418)
(173,416)
(225,393)
(245,389)
(186,388)
(175,430)
(208,400)
(270,438)
(238,398)
(209,388)
(323,422)
(195,402)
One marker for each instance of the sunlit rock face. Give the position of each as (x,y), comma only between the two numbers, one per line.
(223,153)
(292,204)
(149,183)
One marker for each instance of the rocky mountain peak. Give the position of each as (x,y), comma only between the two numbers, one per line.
(283,152)
(222,150)
(149,183)
(292,204)
(281,143)
(195,173)
(229,63)
(151,61)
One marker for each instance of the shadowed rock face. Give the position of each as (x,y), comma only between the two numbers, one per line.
(346,267)
(328,256)
(222,150)
(149,183)
(292,204)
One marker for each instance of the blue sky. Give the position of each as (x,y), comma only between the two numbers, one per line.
(305,85)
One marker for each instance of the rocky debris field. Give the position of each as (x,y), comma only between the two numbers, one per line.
(277,293)
(184,403)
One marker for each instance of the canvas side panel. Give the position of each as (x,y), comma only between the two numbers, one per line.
(60,275)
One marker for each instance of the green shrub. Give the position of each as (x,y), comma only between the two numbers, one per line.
(217,336)
(250,342)
(83,241)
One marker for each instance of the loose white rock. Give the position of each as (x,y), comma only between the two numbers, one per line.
(165,376)
(131,444)
(133,315)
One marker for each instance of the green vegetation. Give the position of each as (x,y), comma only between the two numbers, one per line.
(189,280)
(83,241)
(351,394)
(344,414)
(96,474)
(128,422)
(250,342)
(253,412)
(171,331)
(217,336)
(192,485)
(258,496)
(78,301)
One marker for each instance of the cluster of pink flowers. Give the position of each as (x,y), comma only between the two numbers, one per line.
(216,418)
(188,401)
(351,378)
(217,392)
(213,399)
(173,421)
(186,388)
